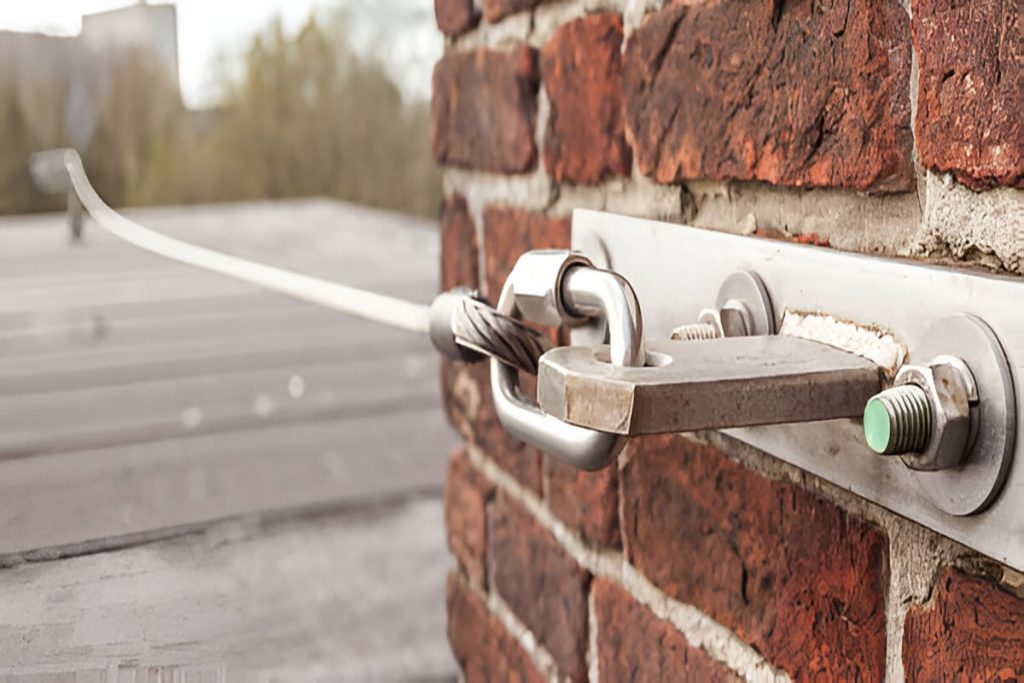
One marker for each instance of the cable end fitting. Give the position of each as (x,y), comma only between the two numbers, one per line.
(442,324)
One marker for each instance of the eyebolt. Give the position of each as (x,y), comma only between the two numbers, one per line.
(566,287)
(898,421)
(742,309)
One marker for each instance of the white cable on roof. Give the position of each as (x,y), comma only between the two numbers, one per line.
(376,307)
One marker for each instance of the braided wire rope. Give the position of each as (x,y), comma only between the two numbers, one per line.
(479,327)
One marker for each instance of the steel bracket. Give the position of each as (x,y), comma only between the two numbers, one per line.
(678,271)
(693,385)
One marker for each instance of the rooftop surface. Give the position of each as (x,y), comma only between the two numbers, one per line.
(201,474)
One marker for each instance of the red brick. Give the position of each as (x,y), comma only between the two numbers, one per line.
(466,493)
(461,396)
(581,67)
(798,578)
(460,256)
(799,93)
(466,392)
(972,631)
(586,501)
(483,648)
(969,97)
(499,9)
(541,583)
(634,645)
(484,110)
(455,16)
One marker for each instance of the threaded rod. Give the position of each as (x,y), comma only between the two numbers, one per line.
(898,421)
(695,332)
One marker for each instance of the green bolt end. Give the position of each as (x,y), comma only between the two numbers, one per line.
(898,421)
(877,426)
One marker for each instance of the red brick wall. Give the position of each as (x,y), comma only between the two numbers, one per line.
(696,558)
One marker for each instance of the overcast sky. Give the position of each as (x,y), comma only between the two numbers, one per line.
(207,28)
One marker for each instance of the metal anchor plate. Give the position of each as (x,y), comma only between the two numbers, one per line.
(693,385)
(676,271)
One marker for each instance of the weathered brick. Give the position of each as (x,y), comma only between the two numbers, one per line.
(581,67)
(970,59)
(466,493)
(795,576)
(499,9)
(972,631)
(795,93)
(541,583)
(461,396)
(634,645)
(460,256)
(586,501)
(466,392)
(484,109)
(455,16)
(483,648)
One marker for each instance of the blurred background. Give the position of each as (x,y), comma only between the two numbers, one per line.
(203,101)
(199,480)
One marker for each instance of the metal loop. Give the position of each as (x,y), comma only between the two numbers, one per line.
(590,292)
(584,290)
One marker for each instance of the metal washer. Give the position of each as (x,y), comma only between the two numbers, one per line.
(747,288)
(974,485)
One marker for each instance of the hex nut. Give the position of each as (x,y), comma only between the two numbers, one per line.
(951,390)
(735,319)
(537,285)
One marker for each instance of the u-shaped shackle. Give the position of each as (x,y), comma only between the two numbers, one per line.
(562,287)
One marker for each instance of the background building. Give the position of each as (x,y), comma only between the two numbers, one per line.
(152,28)
(60,91)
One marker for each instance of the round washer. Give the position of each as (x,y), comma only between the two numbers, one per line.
(971,487)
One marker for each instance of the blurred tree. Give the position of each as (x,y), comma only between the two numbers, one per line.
(307,116)
(32,99)
(17,191)
(139,120)
(304,115)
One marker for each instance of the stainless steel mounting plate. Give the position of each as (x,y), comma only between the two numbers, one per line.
(677,270)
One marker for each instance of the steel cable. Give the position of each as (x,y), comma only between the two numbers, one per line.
(475,325)
(480,328)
